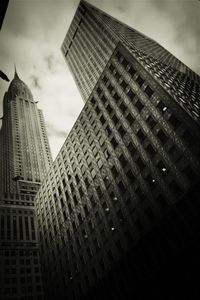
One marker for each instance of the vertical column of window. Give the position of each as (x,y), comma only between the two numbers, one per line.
(2,229)
(21,227)
(27,228)
(8,227)
(14,225)
(32,228)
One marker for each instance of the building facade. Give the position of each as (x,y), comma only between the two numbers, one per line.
(24,159)
(118,212)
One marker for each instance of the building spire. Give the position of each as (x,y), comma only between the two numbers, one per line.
(16,75)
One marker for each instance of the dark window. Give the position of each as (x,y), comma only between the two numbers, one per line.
(124,84)
(121,131)
(108,130)
(109,109)
(114,171)
(122,107)
(131,71)
(102,120)
(149,91)
(150,214)
(151,122)
(111,67)
(162,136)
(150,150)
(174,121)
(116,97)
(140,81)
(105,79)
(151,181)
(175,188)
(141,135)
(118,55)
(174,153)
(114,143)
(162,107)
(123,161)
(130,119)
(97,110)
(103,99)
(130,94)
(121,187)
(140,163)
(189,172)
(124,63)
(99,90)
(93,100)
(117,76)
(140,194)
(131,148)
(139,105)
(110,88)
(130,175)
(115,119)
(162,201)
(188,138)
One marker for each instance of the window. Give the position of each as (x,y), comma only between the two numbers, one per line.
(102,120)
(109,109)
(99,90)
(130,119)
(141,135)
(103,99)
(122,107)
(151,181)
(130,175)
(150,150)
(123,161)
(162,136)
(174,121)
(114,143)
(97,110)
(116,97)
(121,187)
(139,105)
(131,148)
(130,94)
(111,68)
(149,91)
(114,171)
(161,106)
(175,188)
(115,119)
(189,172)
(151,122)
(131,71)
(140,81)
(124,84)
(121,131)
(124,63)
(140,163)
(117,76)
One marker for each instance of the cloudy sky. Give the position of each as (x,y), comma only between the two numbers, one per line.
(33,31)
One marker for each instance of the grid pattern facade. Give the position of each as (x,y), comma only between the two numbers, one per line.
(25,152)
(93,36)
(25,158)
(127,172)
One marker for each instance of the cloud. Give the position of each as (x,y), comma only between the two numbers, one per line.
(50,62)
(54,131)
(35,82)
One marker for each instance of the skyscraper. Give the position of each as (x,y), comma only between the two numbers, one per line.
(118,212)
(24,159)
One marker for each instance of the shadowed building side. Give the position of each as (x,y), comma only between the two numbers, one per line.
(118,212)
